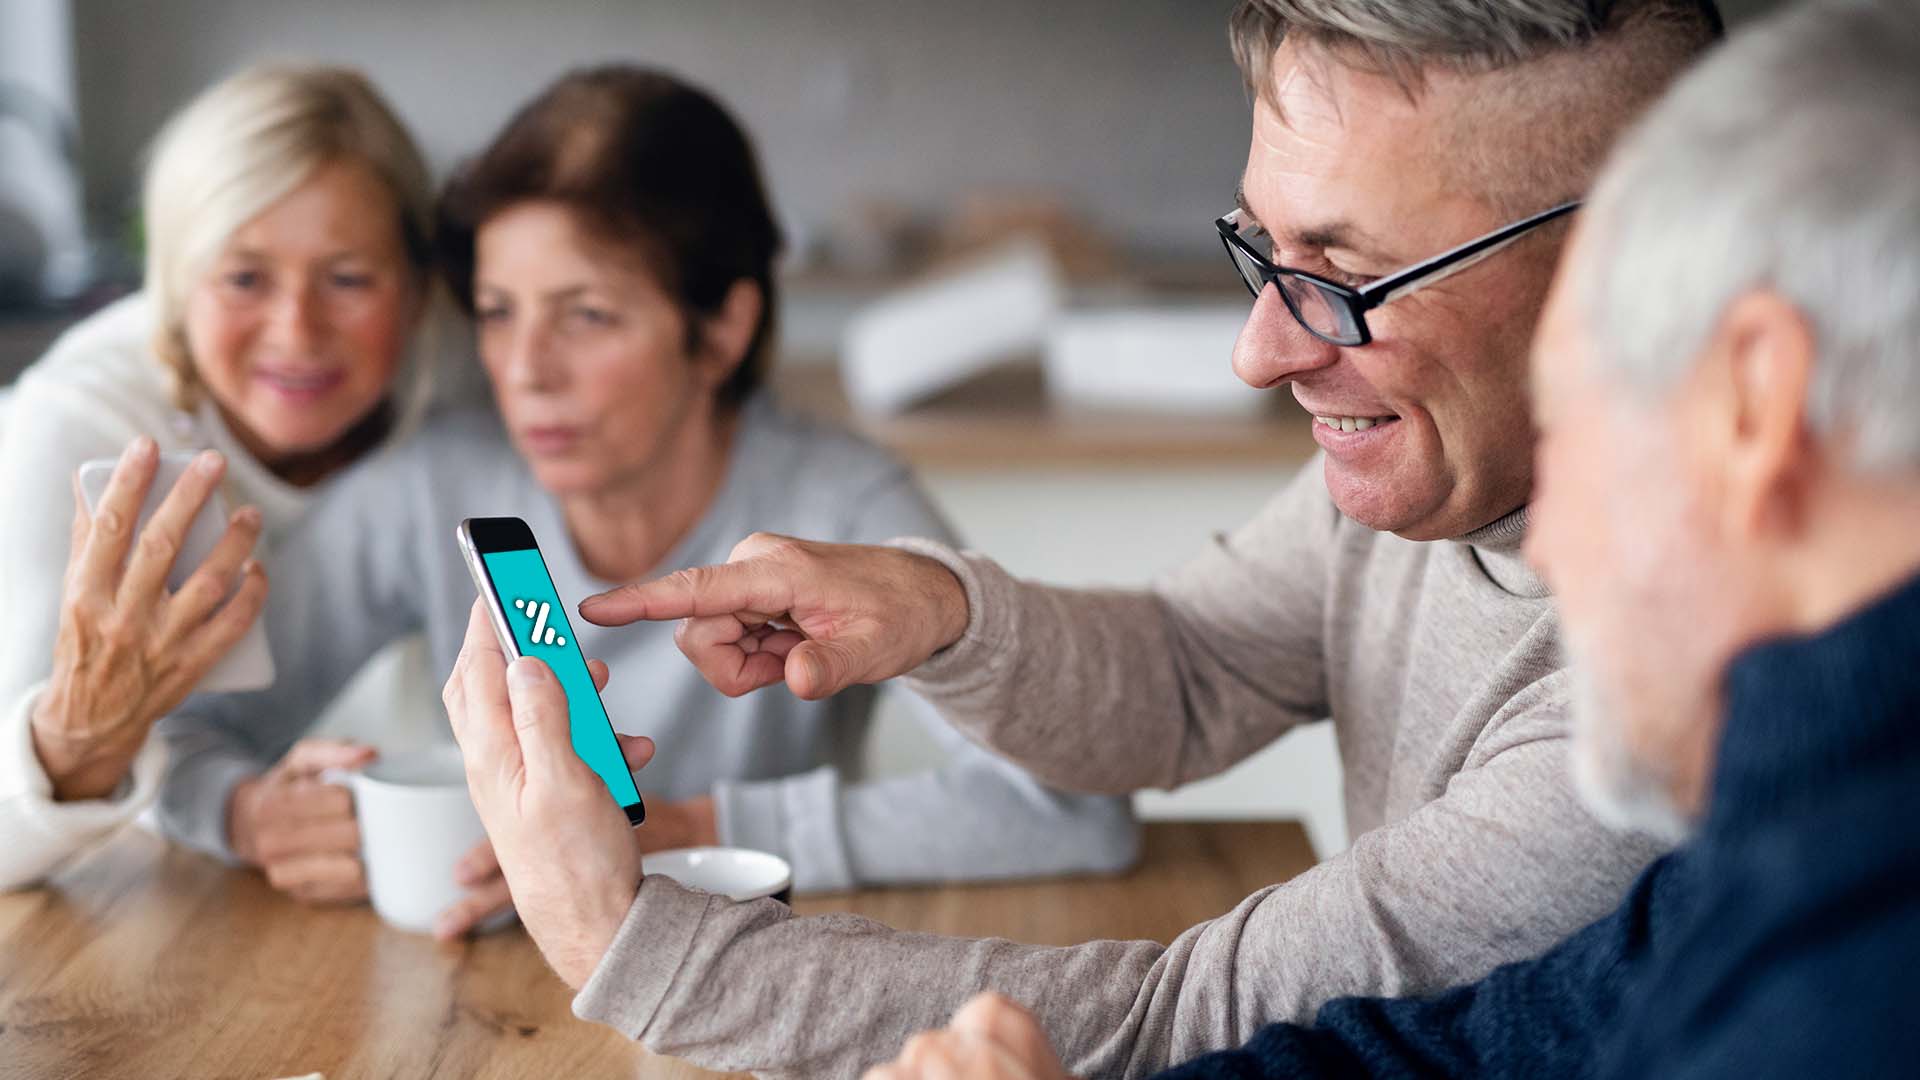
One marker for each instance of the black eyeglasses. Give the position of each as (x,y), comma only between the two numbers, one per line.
(1337,313)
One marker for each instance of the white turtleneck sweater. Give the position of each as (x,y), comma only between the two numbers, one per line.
(97,388)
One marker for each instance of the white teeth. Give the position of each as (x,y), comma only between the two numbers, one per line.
(1352,423)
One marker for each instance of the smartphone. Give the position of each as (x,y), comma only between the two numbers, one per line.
(530,620)
(249,664)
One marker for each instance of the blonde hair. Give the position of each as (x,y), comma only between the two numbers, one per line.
(243,145)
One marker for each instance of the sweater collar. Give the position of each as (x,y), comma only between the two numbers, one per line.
(1804,713)
(1496,546)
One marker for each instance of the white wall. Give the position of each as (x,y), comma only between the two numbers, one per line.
(1134,108)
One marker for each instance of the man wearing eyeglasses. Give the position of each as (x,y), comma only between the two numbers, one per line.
(1411,172)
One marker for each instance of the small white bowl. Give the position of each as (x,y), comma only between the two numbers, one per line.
(737,873)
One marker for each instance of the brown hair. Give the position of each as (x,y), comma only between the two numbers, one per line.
(646,161)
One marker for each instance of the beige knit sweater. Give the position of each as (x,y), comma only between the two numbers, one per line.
(1436,662)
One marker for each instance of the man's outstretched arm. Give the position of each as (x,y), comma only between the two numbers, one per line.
(1091,689)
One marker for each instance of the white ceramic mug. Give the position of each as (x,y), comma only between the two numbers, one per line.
(732,872)
(416,821)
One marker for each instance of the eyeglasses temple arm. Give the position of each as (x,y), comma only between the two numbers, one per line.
(1449,263)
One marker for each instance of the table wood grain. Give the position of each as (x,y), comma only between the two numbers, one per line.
(146,960)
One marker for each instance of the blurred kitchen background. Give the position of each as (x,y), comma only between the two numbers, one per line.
(1002,260)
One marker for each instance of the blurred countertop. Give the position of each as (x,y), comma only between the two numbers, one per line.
(1004,420)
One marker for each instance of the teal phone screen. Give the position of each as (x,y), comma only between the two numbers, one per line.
(540,627)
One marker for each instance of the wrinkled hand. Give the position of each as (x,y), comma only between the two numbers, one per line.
(565,849)
(300,829)
(128,650)
(479,869)
(820,617)
(990,1038)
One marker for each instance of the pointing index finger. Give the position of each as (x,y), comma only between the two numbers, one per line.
(753,585)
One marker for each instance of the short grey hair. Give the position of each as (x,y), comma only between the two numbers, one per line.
(1786,162)
(1557,79)
(1465,36)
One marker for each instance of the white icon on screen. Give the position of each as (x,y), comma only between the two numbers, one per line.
(542,633)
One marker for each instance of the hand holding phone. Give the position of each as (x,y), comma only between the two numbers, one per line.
(129,648)
(530,620)
(248,663)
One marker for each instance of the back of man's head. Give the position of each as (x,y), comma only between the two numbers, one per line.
(1790,162)
(1555,81)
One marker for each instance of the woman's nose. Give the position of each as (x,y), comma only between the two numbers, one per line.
(1273,347)
(529,361)
(297,321)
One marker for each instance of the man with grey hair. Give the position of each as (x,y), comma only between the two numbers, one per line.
(1728,507)
(1411,171)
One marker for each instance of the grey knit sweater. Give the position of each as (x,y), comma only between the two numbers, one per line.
(375,559)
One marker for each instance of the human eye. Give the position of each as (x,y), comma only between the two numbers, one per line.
(242,279)
(590,315)
(1351,281)
(347,279)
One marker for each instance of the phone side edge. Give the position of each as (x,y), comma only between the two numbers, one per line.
(483,584)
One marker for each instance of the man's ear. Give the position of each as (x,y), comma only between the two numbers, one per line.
(1765,350)
(726,334)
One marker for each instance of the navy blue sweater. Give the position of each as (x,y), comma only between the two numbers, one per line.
(1782,941)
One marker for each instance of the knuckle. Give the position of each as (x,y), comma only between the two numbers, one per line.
(753,544)
(698,578)
(199,593)
(119,631)
(158,544)
(109,522)
(89,610)
(786,549)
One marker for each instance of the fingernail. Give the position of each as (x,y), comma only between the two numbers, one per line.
(443,927)
(208,462)
(591,601)
(524,673)
(141,447)
(248,516)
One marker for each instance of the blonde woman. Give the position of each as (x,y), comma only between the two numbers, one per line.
(289,237)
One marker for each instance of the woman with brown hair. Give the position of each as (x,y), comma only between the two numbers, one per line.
(617,247)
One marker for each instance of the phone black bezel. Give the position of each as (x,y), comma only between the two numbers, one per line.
(494,534)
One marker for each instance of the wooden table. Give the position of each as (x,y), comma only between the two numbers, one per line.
(144,960)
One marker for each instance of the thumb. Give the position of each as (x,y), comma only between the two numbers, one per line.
(540,718)
(817,668)
(637,749)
